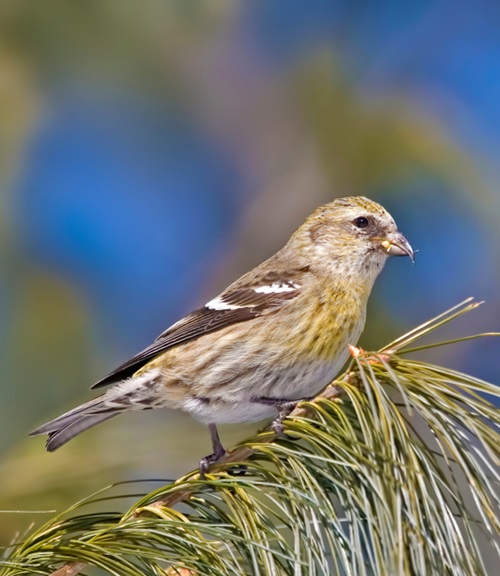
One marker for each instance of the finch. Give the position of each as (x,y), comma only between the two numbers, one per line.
(277,335)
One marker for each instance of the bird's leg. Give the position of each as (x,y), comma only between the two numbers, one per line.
(284,408)
(218,451)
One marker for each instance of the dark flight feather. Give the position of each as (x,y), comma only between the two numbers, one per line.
(247,304)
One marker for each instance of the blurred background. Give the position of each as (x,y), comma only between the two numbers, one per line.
(152,152)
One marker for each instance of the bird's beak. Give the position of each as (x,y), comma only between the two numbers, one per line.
(396,244)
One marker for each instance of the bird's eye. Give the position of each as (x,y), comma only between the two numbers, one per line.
(361,222)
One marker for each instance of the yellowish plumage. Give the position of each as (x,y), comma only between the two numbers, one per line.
(278,334)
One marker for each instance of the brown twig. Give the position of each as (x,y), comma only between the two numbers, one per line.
(70,569)
(239,454)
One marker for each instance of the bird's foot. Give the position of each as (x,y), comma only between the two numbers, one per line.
(206,462)
(285,408)
(218,452)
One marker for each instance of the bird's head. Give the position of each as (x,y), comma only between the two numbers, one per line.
(355,235)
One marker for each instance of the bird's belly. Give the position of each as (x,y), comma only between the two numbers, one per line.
(237,399)
(223,412)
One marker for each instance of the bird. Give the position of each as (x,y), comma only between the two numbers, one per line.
(277,335)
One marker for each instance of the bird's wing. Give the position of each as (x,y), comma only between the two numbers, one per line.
(242,301)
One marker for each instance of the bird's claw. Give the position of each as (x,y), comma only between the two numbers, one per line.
(206,462)
(278,428)
(284,409)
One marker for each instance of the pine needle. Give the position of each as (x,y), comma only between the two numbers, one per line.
(394,471)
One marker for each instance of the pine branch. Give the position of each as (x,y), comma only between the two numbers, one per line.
(395,471)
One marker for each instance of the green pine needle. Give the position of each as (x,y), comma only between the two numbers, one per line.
(394,470)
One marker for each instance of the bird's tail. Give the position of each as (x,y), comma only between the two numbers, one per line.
(138,393)
(65,427)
